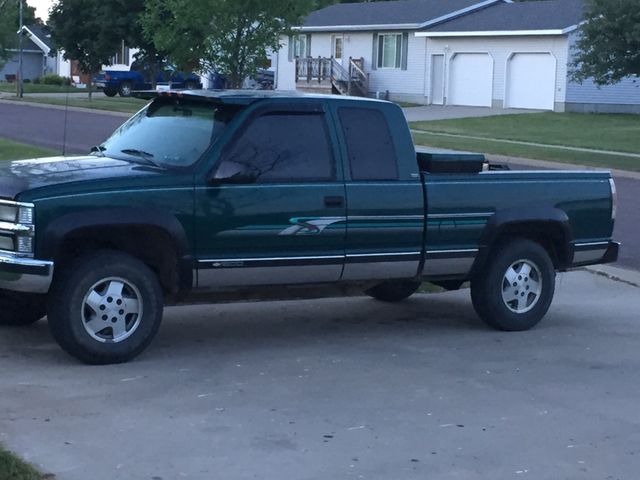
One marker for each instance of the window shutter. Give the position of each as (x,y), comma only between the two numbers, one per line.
(405,49)
(308,45)
(291,47)
(374,61)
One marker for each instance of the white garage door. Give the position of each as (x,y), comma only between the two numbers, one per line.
(531,81)
(471,79)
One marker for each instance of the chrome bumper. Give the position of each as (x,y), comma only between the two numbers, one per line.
(25,274)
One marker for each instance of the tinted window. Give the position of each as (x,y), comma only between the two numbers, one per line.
(279,148)
(372,155)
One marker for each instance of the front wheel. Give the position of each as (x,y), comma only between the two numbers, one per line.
(516,287)
(105,308)
(393,290)
(21,309)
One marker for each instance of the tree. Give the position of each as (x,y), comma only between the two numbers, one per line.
(9,25)
(81,28)
(608,48)
(231,37)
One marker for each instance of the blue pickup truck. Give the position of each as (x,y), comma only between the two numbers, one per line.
(114,82)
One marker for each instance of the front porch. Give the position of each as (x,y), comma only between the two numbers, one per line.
(327,75)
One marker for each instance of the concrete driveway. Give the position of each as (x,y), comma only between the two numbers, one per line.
(340,389)
(437,112)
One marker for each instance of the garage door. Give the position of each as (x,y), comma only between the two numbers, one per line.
(531,80)
(471,79)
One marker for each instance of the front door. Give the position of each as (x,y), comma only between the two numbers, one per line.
(437,79)
(274,211)
(337,47)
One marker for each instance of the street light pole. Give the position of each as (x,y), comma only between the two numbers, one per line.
(20,83)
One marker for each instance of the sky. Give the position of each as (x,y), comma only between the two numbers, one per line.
(42,7)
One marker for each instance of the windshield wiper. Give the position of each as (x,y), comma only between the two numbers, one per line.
(98,150)
(141,154)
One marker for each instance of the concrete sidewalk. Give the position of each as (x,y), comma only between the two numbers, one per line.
(341,388)
(439,112)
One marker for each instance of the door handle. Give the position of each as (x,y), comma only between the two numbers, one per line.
(336,201)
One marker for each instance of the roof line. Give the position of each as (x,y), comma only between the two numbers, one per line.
(35,39)
(493,33)
(401,26)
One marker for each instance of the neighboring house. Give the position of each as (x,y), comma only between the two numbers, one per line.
(449,52)
(37,61)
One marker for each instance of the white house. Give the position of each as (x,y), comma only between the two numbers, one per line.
(492,53)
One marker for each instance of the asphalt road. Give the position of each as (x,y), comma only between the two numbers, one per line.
(45,127)
(74,132)
(341,389)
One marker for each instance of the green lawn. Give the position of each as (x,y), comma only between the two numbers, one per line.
(38,88)
(10,150)
(12,468)
(598,131)
(99,102)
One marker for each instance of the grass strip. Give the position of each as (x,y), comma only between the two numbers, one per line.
(10,150)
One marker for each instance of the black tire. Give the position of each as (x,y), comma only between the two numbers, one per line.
(191,85)
(110,92)
(394,290)
(125,89)
(136,312)
(517,302)
(21,309)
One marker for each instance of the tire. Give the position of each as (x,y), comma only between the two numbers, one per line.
(110,92)
(125,89)
(393,290)
(105,308)
(21,309)
(516,288)
(191,85)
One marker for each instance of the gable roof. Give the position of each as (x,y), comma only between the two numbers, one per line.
(39,35)
(530,17)
(398,14)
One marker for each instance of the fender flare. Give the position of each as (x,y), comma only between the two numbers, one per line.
(545,218)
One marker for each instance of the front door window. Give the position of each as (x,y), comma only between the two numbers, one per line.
(337,47)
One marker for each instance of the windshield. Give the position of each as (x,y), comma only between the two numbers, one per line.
(168,133)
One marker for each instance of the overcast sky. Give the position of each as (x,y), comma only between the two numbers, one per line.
(42,7)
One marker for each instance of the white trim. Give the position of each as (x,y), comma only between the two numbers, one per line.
(34,38)
(401,26)
(492,33)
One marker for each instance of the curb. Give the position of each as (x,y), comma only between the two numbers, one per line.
(617,274)
(95,111)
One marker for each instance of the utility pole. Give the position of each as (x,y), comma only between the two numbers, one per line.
(20,83)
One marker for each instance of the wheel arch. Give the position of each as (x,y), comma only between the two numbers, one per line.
(547,226)
(157,238)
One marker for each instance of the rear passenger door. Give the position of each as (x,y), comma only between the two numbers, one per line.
(385,204)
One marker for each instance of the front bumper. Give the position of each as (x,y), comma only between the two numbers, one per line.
(20,274)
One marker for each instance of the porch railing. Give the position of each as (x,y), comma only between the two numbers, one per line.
(352,80)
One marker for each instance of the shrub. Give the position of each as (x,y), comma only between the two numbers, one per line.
(36,81)
(53,79)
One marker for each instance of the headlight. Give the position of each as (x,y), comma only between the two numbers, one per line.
(17,229)
(8,213)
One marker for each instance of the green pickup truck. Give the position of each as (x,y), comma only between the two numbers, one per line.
(209,195)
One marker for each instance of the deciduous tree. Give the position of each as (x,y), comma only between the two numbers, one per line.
(608,48)
(9,24)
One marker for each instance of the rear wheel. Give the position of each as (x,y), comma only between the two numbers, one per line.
(393,290)
(106,307)
(21,309)
(125,89)
(516,288)
(110,92)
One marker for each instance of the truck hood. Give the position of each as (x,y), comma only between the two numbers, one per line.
(19,176)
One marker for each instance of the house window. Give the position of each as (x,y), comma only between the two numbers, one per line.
(390,51)
(301,46)
(337,47)
(122,55)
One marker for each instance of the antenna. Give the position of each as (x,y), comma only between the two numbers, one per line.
(64,130)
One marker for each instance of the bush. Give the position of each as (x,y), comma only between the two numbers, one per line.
(27,80)
(53,79)
(36,81)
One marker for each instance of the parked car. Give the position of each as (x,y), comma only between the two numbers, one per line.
(242,192)
(113,82)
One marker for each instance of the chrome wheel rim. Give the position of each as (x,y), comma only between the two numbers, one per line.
(521,286)
(112,310)
(125,90)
